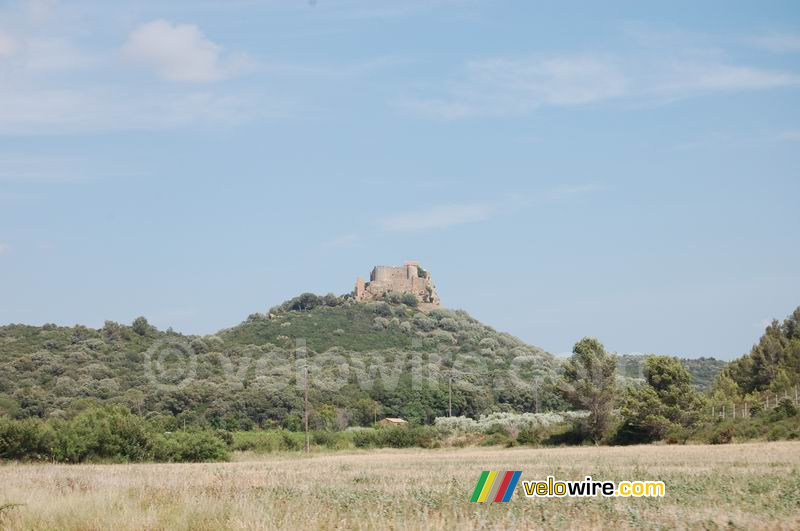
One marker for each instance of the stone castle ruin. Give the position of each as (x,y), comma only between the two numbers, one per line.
(408,278)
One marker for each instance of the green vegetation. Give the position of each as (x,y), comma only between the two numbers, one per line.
(703,370)
(773,364)
(589,383)
(665,403)
(135,393)
(399,363)
(106,434)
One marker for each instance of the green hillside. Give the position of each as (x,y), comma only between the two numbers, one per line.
(366,359)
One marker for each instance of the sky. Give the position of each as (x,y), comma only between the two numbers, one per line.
(624,170)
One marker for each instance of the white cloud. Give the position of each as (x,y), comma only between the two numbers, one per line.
(179,52)
(691,78)
(5,248)
(439,217)
(503,86)
(778,42)
(513,87)
(31,110)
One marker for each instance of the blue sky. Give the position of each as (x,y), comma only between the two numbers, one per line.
(627,171)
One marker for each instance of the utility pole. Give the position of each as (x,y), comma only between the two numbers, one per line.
(450,393)
(306,406)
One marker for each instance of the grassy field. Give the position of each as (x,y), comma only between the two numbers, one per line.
(745,486)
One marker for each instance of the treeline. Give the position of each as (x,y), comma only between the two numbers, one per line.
(772,366)
(666,406)
(108,434)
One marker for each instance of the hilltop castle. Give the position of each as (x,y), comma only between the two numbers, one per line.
(408,278)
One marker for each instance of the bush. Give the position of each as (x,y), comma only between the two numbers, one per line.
(409,299)
(267,441)
(784,409)
(323,438)
(187,446)
(496,439)
(396,437)
(330,439)
(304,302)
(106,434)
(292,441)
(365,438)
(225,436)
(27,439)
(723,434)
(530,436)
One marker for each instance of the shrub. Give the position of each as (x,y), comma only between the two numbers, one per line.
(409,299)
(304,302)
(529,436)
(292,441)
(449,324)
(365,438)
(102,434)
(496,439)
(784,409)
(186,446)
(723,434)
(106,434)
(324,438)
(396,437)
(24,439)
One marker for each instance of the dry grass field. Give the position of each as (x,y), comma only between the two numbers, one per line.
(744,486)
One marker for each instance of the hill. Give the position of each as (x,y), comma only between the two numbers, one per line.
(364,359)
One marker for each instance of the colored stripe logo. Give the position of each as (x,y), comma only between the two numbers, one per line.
(495,486)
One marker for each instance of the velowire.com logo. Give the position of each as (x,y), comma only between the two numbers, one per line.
(495,486)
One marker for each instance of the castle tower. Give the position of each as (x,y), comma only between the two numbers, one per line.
(359,288)
(412,268)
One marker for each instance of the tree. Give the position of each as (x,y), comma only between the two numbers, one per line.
(724,390)
(778,349)
(140,326)
(589,383)
(665,402)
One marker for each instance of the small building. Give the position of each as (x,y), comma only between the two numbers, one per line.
(390,421)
